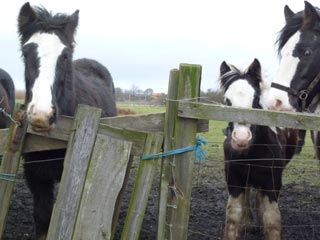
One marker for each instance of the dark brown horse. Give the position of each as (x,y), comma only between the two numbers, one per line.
(7,97)
(55,85)
(255,156)
(296,85)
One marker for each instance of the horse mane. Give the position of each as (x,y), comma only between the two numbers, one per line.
(292,26)
(45,22)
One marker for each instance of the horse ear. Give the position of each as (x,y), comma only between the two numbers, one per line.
(254,70)
(311,17)
(288,13)
(27,15)
(71,26)
(224,68)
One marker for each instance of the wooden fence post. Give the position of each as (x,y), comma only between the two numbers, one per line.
(171,113)
(185,131)
(142,188)
(10,163)
(80,146)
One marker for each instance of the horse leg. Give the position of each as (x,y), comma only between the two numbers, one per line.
(301,139)
(315,135)
(247,209)
(42,190)
(269,216)
(235,213)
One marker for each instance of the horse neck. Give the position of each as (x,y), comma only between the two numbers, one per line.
(67,102)
(9,93)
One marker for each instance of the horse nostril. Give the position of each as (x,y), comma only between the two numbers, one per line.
(51,120)
(278,103)
(53,117)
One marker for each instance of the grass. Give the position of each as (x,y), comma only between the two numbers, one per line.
(302,168)
(141,109)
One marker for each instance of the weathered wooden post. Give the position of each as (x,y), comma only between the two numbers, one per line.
(82,139)
(142,188)
(10,163)
(181,169)
(171,113)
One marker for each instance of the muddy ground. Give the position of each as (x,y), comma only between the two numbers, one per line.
(299,203)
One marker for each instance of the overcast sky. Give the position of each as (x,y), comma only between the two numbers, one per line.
(140,41)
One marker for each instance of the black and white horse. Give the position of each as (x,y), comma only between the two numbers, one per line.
(55,85)
(296,85)
(7,97)
(255,156)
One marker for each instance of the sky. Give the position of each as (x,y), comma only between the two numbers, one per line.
(140,41)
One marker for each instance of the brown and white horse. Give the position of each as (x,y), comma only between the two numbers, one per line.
(255,156)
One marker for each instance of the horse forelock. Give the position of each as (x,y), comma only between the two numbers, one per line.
(46,22)
(235,74)
(229,77)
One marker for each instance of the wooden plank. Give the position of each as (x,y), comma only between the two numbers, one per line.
(10,163)
(171,113)
(254,116)
(137,138)
(143,122)
(61,131)
(35,143)
(142,187)
(76,162)
(119,198)
(4,133)
(104,181)
(146,122)
(54,139)
(184,135)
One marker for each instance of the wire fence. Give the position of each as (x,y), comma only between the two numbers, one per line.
(298,202)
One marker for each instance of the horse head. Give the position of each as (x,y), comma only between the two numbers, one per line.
(241,90)
(297,81)
(47,46)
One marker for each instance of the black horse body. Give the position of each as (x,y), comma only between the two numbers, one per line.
(82,81)
(7,97)
(262,164)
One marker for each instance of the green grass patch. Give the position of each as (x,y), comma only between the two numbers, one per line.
(141,109)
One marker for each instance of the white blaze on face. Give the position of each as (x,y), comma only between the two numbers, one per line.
(278,99)
(241,95)
(49,48)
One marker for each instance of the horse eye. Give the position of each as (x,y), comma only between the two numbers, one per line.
(307,52)
(65,57)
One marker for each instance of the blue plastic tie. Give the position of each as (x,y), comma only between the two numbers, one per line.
(199,152)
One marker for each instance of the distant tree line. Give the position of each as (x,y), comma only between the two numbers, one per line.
(149,96)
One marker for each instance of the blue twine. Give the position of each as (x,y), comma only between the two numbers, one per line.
(7,177)
(199,153)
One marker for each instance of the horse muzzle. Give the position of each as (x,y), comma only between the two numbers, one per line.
(41,121)
(240,138)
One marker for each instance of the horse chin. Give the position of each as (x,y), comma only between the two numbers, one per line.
(239,148)
(42,129)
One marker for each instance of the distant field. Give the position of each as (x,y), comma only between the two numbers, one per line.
(303,168)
